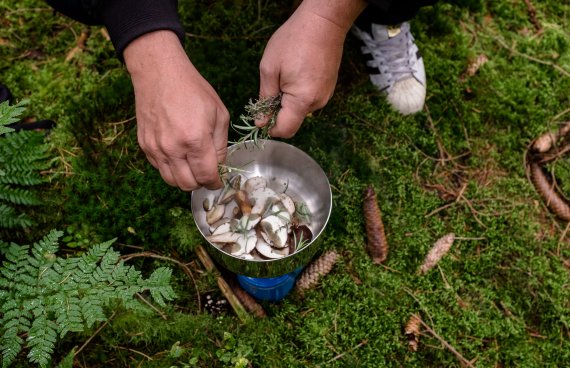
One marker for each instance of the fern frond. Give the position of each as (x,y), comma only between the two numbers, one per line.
(10,219)
(10,114)
(67,362)
(41,339)
(46,296)
(158,286)
(23,155)
(18,196)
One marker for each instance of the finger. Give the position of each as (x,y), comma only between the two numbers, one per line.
(220,135)
(289,118)
(203,162)
(182,175)
(152,161)
(166,173)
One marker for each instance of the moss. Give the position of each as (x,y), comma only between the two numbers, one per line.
(500,296)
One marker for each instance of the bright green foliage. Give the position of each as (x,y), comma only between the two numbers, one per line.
(10,114)
(44,296)
(22,156)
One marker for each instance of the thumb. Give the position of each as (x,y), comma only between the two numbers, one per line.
(290,117)
(268,87)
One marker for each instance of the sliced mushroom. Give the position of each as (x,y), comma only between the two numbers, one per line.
(243,201)
(216,213)
(222,228)
(257,182)
(208,202)
(268,251)
(227,195)
(261,197)
(287,203)
(246,243)
(218,223)
(276,230)
(229,237)
(248,222)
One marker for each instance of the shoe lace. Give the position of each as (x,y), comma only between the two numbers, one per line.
(392,55)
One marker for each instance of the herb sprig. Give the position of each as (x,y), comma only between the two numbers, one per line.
(266,107)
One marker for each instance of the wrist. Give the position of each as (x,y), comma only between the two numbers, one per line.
(342,13)
(153,50)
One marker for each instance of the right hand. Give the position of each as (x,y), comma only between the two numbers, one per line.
(182,123)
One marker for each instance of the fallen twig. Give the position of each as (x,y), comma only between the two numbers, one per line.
(236,304)
(79,46)
(532,58)
(164,258)
(447,345)
(94,334)
(161,313)
(532,16)
(339,356)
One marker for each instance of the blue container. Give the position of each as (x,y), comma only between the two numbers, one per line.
(272,289)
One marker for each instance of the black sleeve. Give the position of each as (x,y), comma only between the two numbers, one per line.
(125,19)
(380,4)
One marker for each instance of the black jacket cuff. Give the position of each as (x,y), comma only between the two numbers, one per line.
(127,20)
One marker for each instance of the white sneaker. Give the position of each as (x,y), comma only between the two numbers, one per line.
(395,65)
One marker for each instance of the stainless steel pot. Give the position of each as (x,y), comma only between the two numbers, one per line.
(285,167)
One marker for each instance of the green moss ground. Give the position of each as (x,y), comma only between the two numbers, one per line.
(501,297)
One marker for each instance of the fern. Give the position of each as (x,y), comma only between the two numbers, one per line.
(10,114)
(43,297)
(23,155)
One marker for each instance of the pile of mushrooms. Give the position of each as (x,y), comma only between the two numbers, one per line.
(254,222)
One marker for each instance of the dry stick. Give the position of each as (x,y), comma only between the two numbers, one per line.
(548,157)
(362,343)
(164,258)
(559,115)
(531,58)
(94,334)
(134,351)
(161,313)
(532,16)
(446,344)
(236,304)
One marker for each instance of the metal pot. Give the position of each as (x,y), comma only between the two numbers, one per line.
(285,167)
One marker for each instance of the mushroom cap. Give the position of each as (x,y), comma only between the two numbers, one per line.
(268,251)
(260,198)
(254,183)
(215,213)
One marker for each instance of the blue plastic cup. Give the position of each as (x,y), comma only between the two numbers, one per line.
(272,289)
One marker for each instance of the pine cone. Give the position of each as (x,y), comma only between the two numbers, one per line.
(249,302)
(377,244)
(412,331)
(314,271)
(439,249)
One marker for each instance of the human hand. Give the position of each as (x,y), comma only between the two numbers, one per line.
(182,123)
(302,60)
